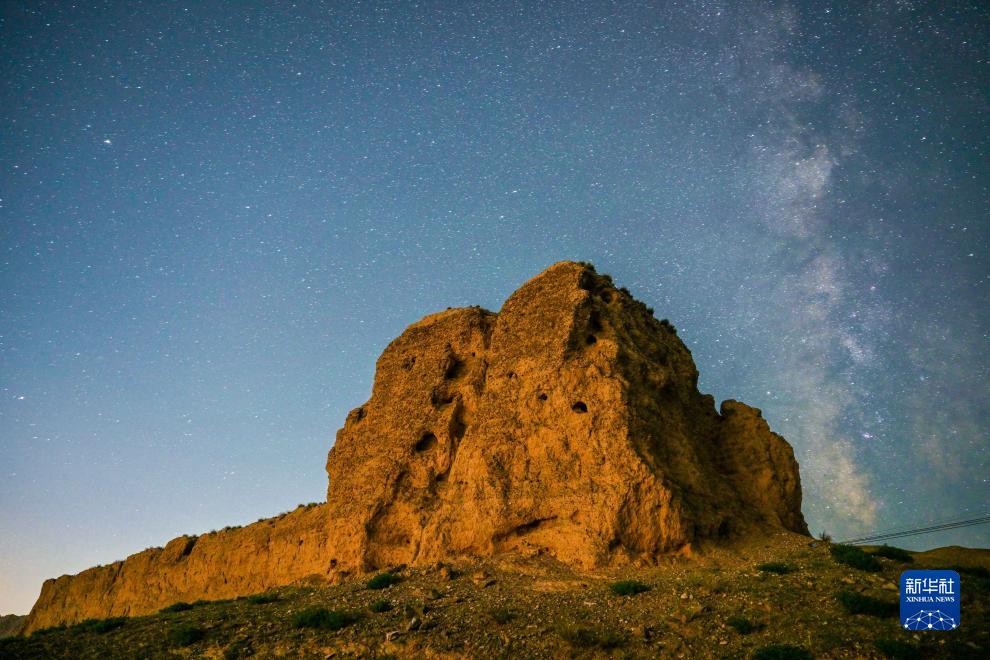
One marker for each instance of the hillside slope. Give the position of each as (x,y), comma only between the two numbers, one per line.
(731,602)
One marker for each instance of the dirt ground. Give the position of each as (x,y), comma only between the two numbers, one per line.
(775,598)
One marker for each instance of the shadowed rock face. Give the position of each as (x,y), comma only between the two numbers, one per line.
(568,425)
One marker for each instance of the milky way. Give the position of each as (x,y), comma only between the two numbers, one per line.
(215,216)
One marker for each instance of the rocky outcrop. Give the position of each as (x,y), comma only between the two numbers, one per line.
(567,425)
(226,564)
(11,624)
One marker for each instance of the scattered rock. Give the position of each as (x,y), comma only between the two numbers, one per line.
(482,579)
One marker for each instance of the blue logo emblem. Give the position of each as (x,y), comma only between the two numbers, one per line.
(930,600)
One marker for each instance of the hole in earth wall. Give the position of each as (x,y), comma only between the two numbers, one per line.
(427,442)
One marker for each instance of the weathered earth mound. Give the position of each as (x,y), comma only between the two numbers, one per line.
(569,425)
(225,564)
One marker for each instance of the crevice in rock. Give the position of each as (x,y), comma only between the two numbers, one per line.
(425,443)
(580,407)
(457,426)
(440,398)
(524,528)
(454,368)
(190,543)
(595,321)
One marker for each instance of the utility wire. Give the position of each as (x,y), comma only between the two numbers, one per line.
(904,530)
(916,533)
(923,530)
(955,524)
(901,528)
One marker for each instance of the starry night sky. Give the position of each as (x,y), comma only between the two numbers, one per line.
(216,215)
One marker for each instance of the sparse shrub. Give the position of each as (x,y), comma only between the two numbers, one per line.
(782,652)
(897,554)
(855,557)
(976,571)
(501,615)
(239,649)
(825,537)
(263,598)
(628,587)
(380,606)
(176,607)
(855,603)
(185,635)
(742,625)
(587,637)
(777,567)
(383,580)
(49,630)
(321,617)
(99,626)
(896,649)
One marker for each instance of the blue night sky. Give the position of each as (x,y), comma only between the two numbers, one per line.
(216,215)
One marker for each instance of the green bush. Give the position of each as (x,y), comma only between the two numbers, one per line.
(321,617)
(237,650)
(742,625)
(775,567)
(501,615)
(855,557)
(628,587)
(587,637)
(897,554)
(99,626)
(782,652)
(380,606)
(896,649)
(263,598)
(383,580)
(176,607)
(185,635)
(855,603)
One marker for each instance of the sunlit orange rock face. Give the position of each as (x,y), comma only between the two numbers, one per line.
(225,564)
(568,425)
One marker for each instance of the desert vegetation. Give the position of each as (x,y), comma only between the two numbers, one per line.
(744,608)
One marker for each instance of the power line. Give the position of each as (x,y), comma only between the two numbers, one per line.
(901,528)
(919,532)
(923,530)
(955,524)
